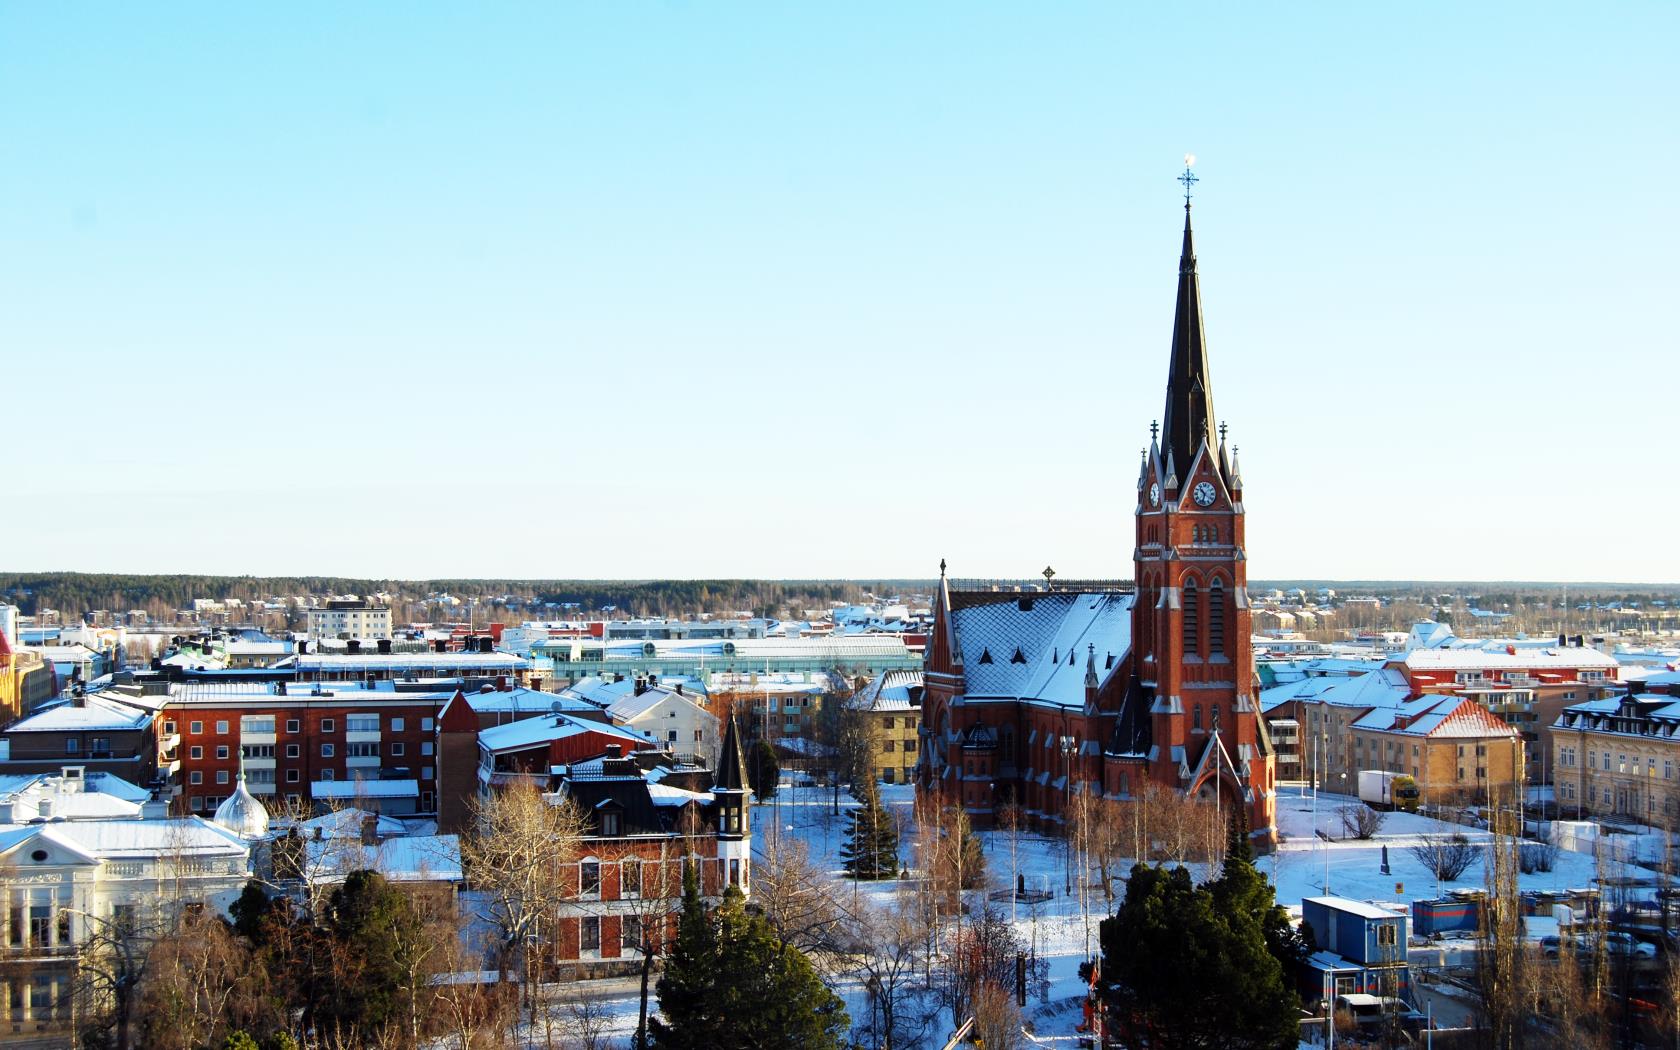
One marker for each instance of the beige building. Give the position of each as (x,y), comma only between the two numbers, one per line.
(1456,749)
(350,618)
(1620,757)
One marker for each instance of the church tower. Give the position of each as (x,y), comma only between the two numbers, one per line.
(1190,627)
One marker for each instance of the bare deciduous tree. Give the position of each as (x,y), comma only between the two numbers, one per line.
(1362,822)
(1446,856)
(886,946)
(516,855)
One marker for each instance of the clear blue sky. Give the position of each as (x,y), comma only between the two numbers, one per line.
(774,289)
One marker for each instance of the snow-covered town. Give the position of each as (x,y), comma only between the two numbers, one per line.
(753,526)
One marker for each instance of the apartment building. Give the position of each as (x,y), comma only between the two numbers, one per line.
(350,617)
(1619,757)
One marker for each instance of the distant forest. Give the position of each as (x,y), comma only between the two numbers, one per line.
(75,594)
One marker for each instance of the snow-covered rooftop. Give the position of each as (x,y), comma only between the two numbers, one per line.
(93,713)
(1035,647)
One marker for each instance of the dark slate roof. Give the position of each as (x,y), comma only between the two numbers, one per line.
(1188,418)
(732,771)
(1133,733)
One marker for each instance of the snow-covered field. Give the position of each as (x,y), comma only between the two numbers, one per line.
(1062,934)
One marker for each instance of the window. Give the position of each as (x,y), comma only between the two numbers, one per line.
(629,875)
(1216,618)
(426,725)
(329,774)
(195,727)
(1198,716)
(221,752)
(887,745)
(361,724)
(1192,634)
(72,745)
(396,748)
(122,916)
(671,736)
(221,776)
(291,776)
(589,878)
(196,802)
(195,777)
(292,750)
(326,751)
(293,725)
(630,939)
(590,933)
(328,725)
(222,726)
(425,747)
(168,730)
(396,725)
(256,724)
(734,871)
(40,924)
(260,776)
(609,824)
(360,750)
(257,750)
(425,772)
(1388,935)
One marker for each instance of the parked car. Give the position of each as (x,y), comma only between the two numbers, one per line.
(1615,943)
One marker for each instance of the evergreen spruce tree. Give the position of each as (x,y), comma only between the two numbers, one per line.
(1183,973)
(871,847)
(764,770)
(687,989)
(729,982)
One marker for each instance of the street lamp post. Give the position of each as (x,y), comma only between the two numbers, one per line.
(1067,831)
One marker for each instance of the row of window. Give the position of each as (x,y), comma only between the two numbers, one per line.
(1569,756)
(266,776)
(365,749)
(1210,606)
(257,724)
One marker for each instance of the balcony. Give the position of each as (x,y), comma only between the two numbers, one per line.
(361,736)
(362,762)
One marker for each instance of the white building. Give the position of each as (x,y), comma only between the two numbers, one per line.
(350,618)
(673,719)
(64,883)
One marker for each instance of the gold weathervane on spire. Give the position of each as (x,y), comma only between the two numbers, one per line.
(1188,178)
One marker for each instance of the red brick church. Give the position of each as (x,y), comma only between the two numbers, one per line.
(1039,694)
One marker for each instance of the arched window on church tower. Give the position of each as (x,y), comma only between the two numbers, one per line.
(1198,716)
(1192,634)
(1216,617)
(1213,534)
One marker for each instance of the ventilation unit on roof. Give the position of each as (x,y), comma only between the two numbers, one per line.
(985,656)
(1019,657)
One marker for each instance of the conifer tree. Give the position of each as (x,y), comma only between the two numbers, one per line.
(871,848)
(730,983)
(1183,970)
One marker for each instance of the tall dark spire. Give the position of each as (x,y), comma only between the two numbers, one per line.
(1188,419)
(731,771)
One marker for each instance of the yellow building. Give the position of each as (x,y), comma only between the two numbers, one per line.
(1620,757)
(893,700)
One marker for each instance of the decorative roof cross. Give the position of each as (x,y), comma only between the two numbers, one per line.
(1188,178)
(1154,429)
(1223,427)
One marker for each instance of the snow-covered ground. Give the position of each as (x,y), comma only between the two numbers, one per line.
(1062,933)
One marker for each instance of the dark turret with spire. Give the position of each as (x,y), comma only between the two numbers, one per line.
(730,784)
(1188,421)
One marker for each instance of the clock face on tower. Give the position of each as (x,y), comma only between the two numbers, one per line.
(1203,494)
(1154,494)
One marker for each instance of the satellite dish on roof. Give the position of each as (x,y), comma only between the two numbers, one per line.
(557,707)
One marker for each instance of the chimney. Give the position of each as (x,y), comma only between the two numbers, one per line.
(679,689)
(615,750)
(486,644)
(44,809)
(154,808)
(370,829)
(385,647)
(501,683)
(441,645)
(641,686)
(303,648)
(355,645)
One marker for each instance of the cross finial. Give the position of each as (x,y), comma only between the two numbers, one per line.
(1188,178)
(942,567)
(1048,575)
(1223,427)
(1154,429)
